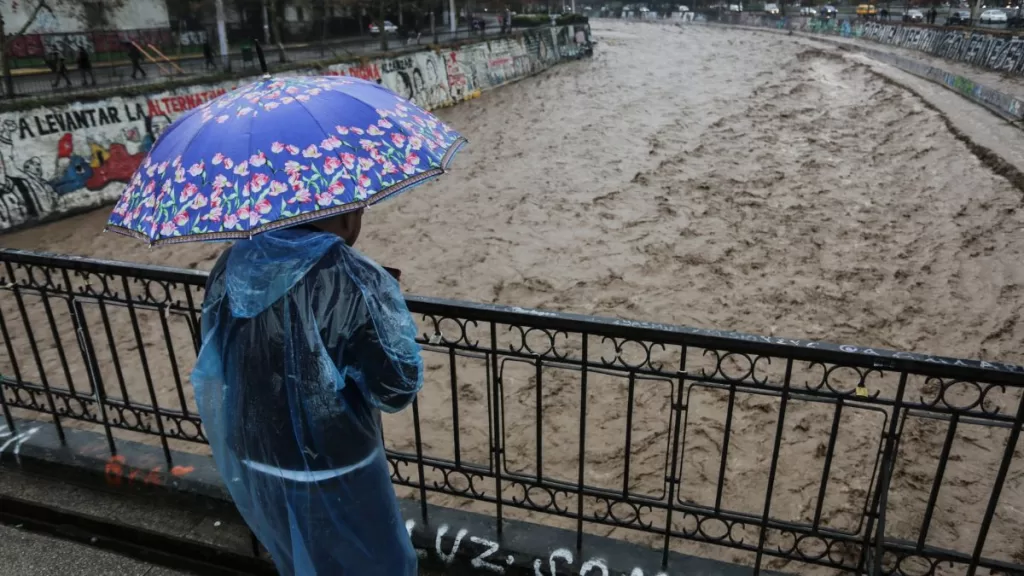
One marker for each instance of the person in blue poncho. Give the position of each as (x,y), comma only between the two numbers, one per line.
(305,340)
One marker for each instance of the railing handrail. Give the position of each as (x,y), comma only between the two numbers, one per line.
(797,349)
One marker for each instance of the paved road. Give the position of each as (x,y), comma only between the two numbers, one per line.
(39,84)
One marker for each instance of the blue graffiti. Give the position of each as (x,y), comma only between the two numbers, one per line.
(75,176)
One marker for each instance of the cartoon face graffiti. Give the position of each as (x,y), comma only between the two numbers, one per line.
(417,81)
(76,174)
(33,167)
(155,125)
(404,85)
(433,76)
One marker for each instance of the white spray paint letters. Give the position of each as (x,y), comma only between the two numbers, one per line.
(13,442)
(493,559)
(441,531)
(491,547)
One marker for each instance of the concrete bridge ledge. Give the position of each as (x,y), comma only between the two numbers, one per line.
(454,541)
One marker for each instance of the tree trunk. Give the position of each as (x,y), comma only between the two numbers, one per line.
(433,26)
(222,35)
(5,46)
(266,24)
(275,23)
(380,28)
(5,63)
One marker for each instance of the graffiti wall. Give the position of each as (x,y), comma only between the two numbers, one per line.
(80,155)
(980,49)
(995,50)
(55,160)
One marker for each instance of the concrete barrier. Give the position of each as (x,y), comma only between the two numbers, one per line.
(58,160)
(1002,104)
(998,50)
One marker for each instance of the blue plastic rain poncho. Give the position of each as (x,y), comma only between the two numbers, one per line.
(304,340)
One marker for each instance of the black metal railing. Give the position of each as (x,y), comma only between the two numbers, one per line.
(112,67)
(796,453)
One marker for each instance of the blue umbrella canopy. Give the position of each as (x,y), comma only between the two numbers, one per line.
(279,152)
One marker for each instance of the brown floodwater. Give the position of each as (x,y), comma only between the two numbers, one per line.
(719,179)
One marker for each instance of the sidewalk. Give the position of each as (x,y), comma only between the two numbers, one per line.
(26,553)
(29,550)
(329,46)
(30,82)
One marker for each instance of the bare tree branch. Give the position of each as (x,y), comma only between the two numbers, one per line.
(28,22)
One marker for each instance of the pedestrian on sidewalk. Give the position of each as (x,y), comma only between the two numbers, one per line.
(208,55)
(60,67)
(135,56)
(85,66)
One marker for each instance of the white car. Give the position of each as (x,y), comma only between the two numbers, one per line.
(388,27)
(735,8)
(772,9)
(808,11)
(993,16)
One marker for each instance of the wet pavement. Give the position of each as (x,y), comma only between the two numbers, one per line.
(27,553)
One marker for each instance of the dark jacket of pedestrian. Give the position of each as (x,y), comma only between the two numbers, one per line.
(84,61)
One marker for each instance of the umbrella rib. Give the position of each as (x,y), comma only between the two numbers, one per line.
(188,145)
(249,152)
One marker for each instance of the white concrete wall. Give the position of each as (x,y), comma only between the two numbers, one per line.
(69,15)
(57,160)
(136,14)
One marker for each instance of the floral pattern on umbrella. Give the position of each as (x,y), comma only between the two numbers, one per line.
(279,152)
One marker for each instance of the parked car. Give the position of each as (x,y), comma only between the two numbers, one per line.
(772,9)
(829,11)
(959,18)
(913,16)
(808,11)
(389,28)
(867,11)
(735,8)
(993,16)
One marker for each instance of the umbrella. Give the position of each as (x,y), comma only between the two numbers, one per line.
(278,152)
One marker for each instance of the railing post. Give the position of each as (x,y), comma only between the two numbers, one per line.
(779,428)
(35,352)
(496,444)
(674,474)
(583,445)
(881,499)
(993,501)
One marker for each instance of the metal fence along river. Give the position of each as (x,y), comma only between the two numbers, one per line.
(109,346)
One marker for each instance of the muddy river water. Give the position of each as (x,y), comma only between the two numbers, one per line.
(720,179)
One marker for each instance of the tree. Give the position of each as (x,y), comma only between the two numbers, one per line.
(8,41)
(38,6)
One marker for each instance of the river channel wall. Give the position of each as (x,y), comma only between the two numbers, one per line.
(61,159)
(999,50)
(995,51)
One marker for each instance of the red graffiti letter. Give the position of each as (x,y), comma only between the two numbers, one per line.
(113,470)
